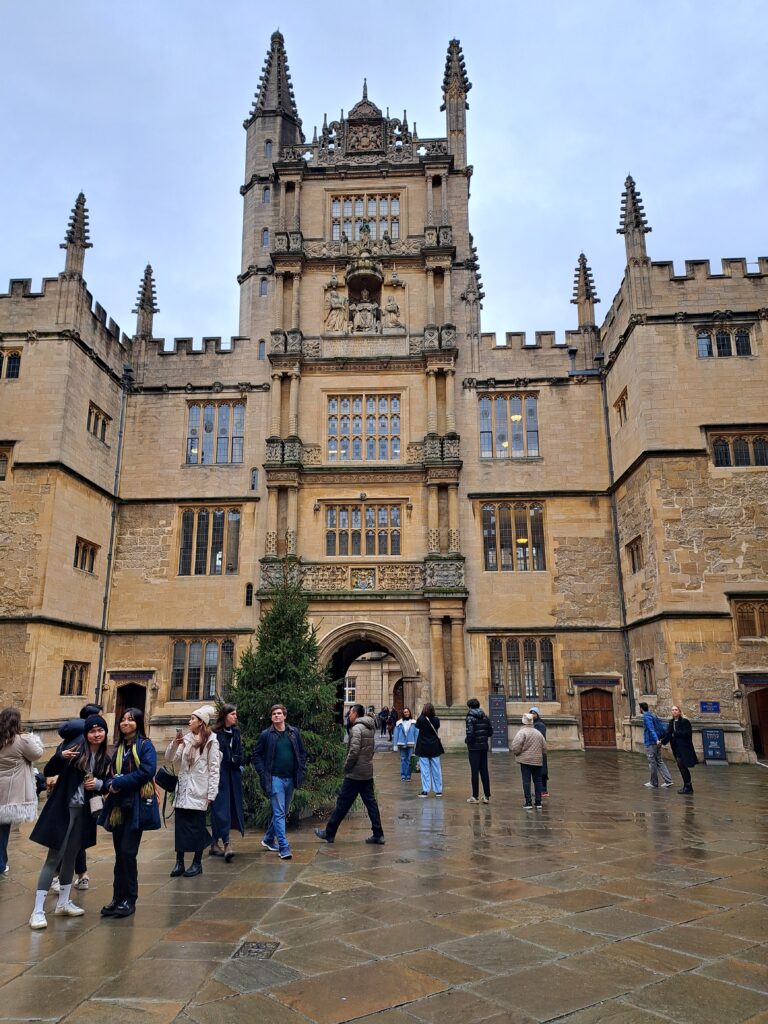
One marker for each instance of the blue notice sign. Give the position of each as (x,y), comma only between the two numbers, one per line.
(709,707)
(497,710)
(713,741)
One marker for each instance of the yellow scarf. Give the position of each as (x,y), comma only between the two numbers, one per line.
(116,814)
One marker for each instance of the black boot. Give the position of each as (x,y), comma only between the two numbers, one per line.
(109,909)
(686,790)
(178,868)
(196,867)
(125,908)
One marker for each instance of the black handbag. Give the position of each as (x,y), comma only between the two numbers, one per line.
(166,779)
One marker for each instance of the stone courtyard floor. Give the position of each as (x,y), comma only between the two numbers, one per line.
(615,904)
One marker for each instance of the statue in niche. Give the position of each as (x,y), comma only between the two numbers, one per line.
(392,314)
(365,236)
(336,318)
(365,314)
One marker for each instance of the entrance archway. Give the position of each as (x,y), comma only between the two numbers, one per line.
(757,702)
(598,724)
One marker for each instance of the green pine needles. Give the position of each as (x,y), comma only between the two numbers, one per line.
(283,668)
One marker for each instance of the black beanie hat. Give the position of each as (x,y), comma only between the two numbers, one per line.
(93,721)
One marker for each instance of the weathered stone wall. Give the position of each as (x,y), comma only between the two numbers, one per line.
(585,581)
(15,675)
(24,500)
(144,538)
(634,499)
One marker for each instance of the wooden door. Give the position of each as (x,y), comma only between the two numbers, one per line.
(758,713)
(598,726)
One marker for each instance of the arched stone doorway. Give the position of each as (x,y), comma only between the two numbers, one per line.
(358,642)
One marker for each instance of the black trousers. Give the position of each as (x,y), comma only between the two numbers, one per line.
(532,772)
(350,790)
(126,879)
(684,773)
(478,763)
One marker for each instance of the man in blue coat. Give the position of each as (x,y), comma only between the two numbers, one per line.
(280,760)
(652,733)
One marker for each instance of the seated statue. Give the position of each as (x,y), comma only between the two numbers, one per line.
(392,314)
(365,315)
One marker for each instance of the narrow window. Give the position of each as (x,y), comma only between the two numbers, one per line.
(531,427)
(263,287)
(193,671)
(547,670)
(497,667)
(249,595)
(521,538)
(209,425)
(262,349)
(201,547)
(743,347)
(227,664)
(268,149)
(211,669)
(721,451)
(489,537)
(177,670)
(740,452)
(185,547)
(254,479)
(647,675)
(265,238)
(529,661)
(505,538)
(513,669)
(217,543)
(502,436)
(635,555)
(760,448)
(746,621)
(516,426)
(193,435)
(266,195)
(233,541)
(3,466)
(704,345)
(238,432)
(13,366)
(723,341)
(222,435)
(537,538)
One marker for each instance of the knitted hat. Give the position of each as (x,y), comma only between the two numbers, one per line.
(532,711)
(94,722)
(527,719)
(205,713)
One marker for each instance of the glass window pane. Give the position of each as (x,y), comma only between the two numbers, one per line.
(743,347)
(513,669)
(217,543)
(193,435)
(489,537)
(505,538)
(723,340)
(722,452)
(547,670)
(370,542)
(330,543)
(760,448)
(209,417)
(529,656)
(531,427)
(343,542)
(185,546)
(395,542)
(211,668)
(233,540)
(227,664)
(502,434)
(355,550)
(193,671)
(497,667)
(704,344)
(537,538)
(521,538)
(177,670)
(740,452)
(370,515)
(383,545)
(201,544)
(516,426)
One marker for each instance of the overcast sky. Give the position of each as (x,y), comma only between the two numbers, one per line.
(141,104)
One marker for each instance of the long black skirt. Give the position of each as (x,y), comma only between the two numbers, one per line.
(191,833)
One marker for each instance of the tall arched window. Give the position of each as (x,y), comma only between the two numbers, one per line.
(740,452)
(268,149)
(263,287)
(262,349)
(266,195)
(265,238)
(723,341)
(704,345)
(743,347)
(722,452)
(13,366)
(248,595)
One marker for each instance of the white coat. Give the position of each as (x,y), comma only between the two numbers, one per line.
(18,796)
(198,772)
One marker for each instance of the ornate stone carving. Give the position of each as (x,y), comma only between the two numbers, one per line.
(445,236)
(310,348)
(281,241)
(762,314)
(454,540)
(433,541)
(295,241)
(312,455)
(637,320)
(325,577)
(433,448)
(270,546)
(430,236)
(391,315)
(362,579)
(415,345)
(448,336)
(451,447)
(680,318)
(290,540)
(294,341)
(414,452)
(431,337)
(274,450)
(292,450)
(405,576)
(445,574)
(336,320)
(320,249)
(365,315)
(469,383)
(278,341)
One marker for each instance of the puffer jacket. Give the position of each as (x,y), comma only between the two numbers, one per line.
(198,779)
(18,796)
(479,729)
(362,746)
(529,746)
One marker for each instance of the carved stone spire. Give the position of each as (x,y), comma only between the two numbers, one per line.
(275,93)
(456,85)
(584,295)
(634,225)
(146,304)
(77,238)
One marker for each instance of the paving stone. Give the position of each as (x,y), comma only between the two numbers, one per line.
(124,1011)
(739,972)
(691,997)
(248,975)
(454,1007)
(496,951)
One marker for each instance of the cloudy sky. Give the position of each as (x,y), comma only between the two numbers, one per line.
(140,105)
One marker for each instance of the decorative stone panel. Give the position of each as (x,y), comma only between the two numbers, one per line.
(444,574)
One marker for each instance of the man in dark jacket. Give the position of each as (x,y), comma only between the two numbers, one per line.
(540,726)
(280,760)
(358,778)
(479,731)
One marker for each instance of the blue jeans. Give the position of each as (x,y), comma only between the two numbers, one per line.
(282,794)
(405,762)
(431,774)
(5,831)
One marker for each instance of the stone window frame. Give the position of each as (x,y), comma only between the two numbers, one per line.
(522,668)
(97,423)
(10,363)
(620,405)
(514,536)
(200,677)
(214,552)
(347,527)
(521,439)
(249,595)
(344,218)
(350,689)
(750,619)
(266,195)
(74,678)
(364,436)
(646,669)
(635,555)
(718,342)
(739,449)
(229,428)
(85,556)
(6,463)
(267,149)
(263,288)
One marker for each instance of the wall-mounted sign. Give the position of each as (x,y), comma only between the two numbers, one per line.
(497,711)
(709,707)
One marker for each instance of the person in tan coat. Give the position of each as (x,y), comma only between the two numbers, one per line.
(529,748)
(18,795)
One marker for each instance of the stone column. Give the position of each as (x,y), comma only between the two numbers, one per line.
(450,400)
(458,668)
(430,295)
(293,508)
(295,316)
(454,535)
(281,216)
(297,207)
(438,662)
(444,198)
(447,297)
(270,547)
(278,310)
(274,417)
(431,402)
(433,521)
(430,215)
(293,405)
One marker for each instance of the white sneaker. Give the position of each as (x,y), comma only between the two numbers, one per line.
(82,883)
(473,800)
(38,920)
(528,807)
(68,909)
(666,785)
(55,885)
(6,869)
(650,785)
(485,799)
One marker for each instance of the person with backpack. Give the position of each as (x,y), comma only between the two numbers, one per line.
(653,731)
(478,731)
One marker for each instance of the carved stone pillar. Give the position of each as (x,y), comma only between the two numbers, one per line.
(293,405)
(292,531)
(281,216)
(295,316)
(430,295)
(438,662)
(270,547)
(278,310)
(454,535)
(447,297)
(430,214)
(458,666)
(431,402)
(450,401)
(433,521)
(444,198)
(275,402)
(297,207)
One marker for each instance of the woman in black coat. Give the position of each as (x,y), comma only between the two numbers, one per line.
(479,731)
(67,823)
(227,808)
(679,735)
(428,750)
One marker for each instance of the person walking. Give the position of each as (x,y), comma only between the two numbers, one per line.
(391,722)
(66,823)
(530,749)
(358,779)
(679,736)
(130,809)
(280,760)
(652,733)
(428,750)
(196,757)
(540,726)
(383,719)
(404,740)
(18,793)
(227,809)
(478,731)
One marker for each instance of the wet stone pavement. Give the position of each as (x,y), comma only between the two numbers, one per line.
(614,903)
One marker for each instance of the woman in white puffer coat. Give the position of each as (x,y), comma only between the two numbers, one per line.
(196,757)
(18,794)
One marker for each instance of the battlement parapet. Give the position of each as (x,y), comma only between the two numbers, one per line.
(700,270)
(521,340)
(195,347)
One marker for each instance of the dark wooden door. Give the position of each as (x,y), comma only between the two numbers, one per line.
(598,726)
(131,695)
(758,713)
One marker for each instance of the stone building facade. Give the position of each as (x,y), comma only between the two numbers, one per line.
(576,522)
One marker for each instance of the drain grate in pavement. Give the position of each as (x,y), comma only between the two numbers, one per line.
(255,951)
